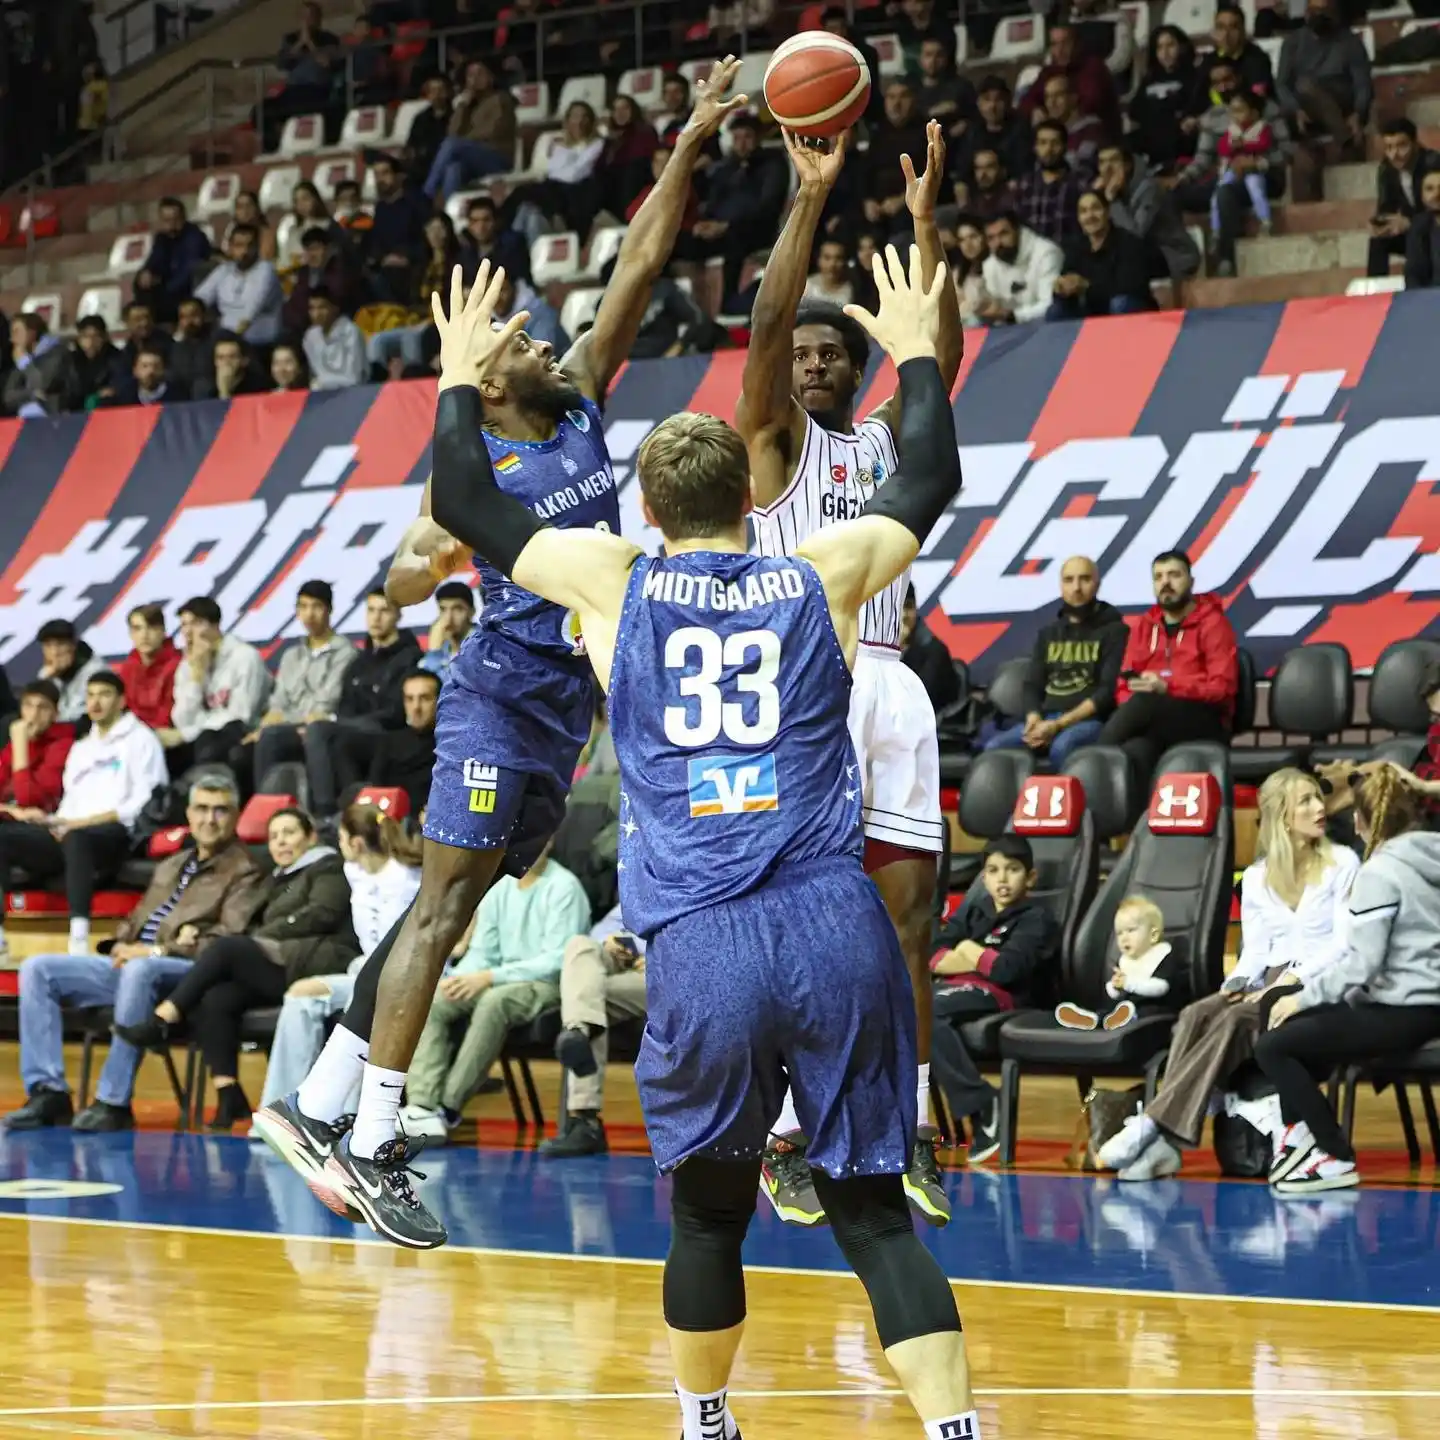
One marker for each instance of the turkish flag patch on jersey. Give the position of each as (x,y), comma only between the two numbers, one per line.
(1185,803)
(839,474)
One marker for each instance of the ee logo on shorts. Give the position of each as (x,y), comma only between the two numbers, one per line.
(481,781)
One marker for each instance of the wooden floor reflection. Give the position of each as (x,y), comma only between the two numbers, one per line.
(120,1331)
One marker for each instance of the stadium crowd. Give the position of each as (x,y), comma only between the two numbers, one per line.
(319,756)
(1112,177)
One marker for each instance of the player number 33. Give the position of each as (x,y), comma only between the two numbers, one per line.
(752,657)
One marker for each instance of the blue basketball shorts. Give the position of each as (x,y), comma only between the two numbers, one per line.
(801,981)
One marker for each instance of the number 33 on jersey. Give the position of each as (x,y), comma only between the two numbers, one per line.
(736,693)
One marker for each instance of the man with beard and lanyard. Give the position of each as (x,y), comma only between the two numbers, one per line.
(812,465)
(515,711)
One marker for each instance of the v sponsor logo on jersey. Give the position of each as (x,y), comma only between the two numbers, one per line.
(732,785)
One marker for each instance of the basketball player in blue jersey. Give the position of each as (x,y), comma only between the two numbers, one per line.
(812,465)
(770,952)
(515,711)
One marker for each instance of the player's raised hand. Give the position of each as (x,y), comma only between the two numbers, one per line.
(470,344)
(907,321)
(817,166)
(711,106)
(922,191)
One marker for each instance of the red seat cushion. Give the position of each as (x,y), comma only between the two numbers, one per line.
(254,826)
(389,800)
(33,904)
(167,842)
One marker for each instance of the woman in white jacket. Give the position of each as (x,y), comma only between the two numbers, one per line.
(1292,925)
(382,864)
(1382,997)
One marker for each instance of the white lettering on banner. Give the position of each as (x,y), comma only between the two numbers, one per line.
(1202,467)
(58,586)
(1295,568)
(294,518)
(1280,469)
(202,545)
(1124,468)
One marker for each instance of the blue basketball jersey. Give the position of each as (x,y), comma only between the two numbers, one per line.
(566,481)
(729,698)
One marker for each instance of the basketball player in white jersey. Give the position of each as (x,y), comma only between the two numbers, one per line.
(812,465)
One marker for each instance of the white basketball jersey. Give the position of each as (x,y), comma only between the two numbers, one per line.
(836,476)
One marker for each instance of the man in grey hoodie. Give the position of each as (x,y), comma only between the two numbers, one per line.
(1381,999)
(307,688)
(1140,204)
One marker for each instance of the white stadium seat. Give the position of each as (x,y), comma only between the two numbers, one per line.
(643,86)
(962,44)
(329,173)
(1376,285)
(405,114)
(47,307)
(1138,13)
(365,125)
(1367,39)
(127,255)
(696,70)
(890,55)
(555,257)
(540,155)
(217,195)
(1194,17)
(458,205)
(1028,75)
(287,241)
(579,309)
(302,135)
(368,193)
(604,246)
(104,301)
(589,88)
(1018,38)
(276,187)
(1271,47)
(750,77)
(532,103)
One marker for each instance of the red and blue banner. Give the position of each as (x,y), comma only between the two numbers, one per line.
(1292,450)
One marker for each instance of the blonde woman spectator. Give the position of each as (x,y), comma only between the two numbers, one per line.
(1380,998)
(1292,927)
(382,864)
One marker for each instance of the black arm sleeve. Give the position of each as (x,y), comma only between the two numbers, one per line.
(464,497)
(929,475)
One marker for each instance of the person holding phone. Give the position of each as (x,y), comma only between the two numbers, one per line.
(602,979)
(1405,164)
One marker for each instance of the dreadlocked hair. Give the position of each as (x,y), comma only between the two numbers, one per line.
(1388,806)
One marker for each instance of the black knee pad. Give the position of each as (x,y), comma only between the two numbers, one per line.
(908,1291)
(711,1207)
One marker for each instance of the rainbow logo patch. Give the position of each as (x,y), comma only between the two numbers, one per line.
(507,463)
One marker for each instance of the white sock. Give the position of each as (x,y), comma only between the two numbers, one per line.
(706,1417)
(378,1117)
(789,1121)
(2,937)
(954,1427)
(337,1069)
(922,1093)
(79,935)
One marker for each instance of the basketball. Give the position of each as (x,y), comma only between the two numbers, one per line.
(817,84)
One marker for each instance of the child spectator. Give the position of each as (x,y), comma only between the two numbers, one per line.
(988,957)
(148,671)
(1141,970)
(1245,149)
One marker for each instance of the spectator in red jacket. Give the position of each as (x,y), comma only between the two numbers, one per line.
(1089,78)
(1179,675)
(148,671)
(32,765)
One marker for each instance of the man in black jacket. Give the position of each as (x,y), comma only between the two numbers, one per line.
(1070,684)
(1397,185)
(1422,243)
(989,956)
(1107,271)
(94,366)
(405,757)
(926,655)
(370,704)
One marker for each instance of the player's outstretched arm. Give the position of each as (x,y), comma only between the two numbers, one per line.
(859,558)
(426,556)
(592,362)
(768,417)
(921,193)
(584,570)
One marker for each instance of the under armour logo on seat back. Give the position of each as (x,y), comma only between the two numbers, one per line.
(1049,805)
(1185,803)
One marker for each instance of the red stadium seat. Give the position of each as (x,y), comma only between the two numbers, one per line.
(254,824)
(167,842)
(389,800)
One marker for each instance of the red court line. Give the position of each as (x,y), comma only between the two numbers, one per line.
(392,437)
(1107,379)
(104,455)
(1332,332)
(250,437)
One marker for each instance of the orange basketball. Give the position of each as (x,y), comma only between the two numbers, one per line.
(817,84)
